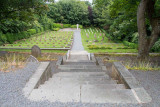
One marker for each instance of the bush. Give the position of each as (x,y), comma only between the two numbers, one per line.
(10,38)
(131,45)
(42,29)
(55,29)
(1,43)
(98,47)
(156,47)
(25,34)
(31,31)
(3,38)
(38,30)
(55,25)
(74,26)
(66,25)
(80,26)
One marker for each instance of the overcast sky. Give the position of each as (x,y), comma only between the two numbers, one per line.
(83,0)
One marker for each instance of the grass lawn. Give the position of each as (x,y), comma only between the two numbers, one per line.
(50,39)
(94,40)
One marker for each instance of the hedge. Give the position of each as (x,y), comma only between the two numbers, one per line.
(131,45)
(55,25)
(67,25)
(55,29)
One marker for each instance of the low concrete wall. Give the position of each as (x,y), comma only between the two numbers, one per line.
(120,73)
(60,61)
(46,74)
(42,74)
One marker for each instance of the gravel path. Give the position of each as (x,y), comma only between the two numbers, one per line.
(150,80)
(77,43)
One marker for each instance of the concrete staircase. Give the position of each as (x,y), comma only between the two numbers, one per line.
(82,80)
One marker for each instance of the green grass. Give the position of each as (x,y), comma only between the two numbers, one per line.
(50,39)
(94,41)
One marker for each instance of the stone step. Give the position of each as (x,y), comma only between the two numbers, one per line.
(81,74)
(85,61)
(79,81)
(82,93)
(106,86)
(78,52)
(81,70)
(98,95)
(78,57)
(79,63)
(64,67)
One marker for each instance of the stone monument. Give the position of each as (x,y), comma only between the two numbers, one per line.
(36,51)
(77,26)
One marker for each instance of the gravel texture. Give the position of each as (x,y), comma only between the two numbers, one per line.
(12,83)
(150,80)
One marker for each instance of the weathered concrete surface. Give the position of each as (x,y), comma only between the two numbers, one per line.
(88,87)
(78,56)
(98,95)
(65,67)
(41,75)
(124,76)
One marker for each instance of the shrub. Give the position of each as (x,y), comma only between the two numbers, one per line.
(156,47)
(3,38)
(25,35)
(80,26)
(46,27)
(31,31)
(129,44)
(42,29)
(74,26)
(55,25)
(10,38)
(38,30)
(66,25)
(1,43)
(55,29)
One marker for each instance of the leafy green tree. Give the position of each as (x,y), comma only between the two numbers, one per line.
(18,15)
(69,12)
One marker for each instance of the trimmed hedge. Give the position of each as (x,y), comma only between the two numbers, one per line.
(67,25)
(55,29)
(98,47)
(75,26)
(55,25)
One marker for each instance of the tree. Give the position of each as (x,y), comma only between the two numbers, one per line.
(18,15)
(69,12)
(147,13)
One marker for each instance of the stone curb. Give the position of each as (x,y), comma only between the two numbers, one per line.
(122,74)
(42,74)
(40,48)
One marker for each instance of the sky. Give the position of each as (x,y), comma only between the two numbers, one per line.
(82,0)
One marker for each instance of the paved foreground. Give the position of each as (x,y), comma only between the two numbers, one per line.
(12,83)
(83,82)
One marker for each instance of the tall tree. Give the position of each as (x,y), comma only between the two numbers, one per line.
(147,12)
